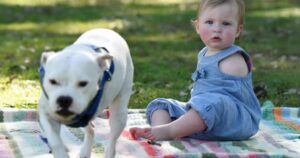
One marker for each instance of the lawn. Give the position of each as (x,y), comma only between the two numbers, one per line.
(163,43)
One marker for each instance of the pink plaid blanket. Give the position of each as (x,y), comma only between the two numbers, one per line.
(279,136)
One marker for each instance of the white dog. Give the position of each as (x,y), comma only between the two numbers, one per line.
(79,82)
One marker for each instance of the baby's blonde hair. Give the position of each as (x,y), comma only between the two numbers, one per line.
(213,3)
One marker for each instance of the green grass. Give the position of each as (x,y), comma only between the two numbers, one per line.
(163,44)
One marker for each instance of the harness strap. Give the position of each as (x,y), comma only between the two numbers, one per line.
(42,75)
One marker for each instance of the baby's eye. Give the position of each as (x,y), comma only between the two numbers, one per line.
(53,82)
(82,83)
(226,23)
(209,22)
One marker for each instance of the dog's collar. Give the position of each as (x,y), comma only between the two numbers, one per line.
(81,120)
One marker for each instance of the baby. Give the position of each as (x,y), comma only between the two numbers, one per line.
(223,105)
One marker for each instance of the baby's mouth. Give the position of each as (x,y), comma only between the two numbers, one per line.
(216,39)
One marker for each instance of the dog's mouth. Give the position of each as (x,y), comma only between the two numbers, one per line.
(65,112)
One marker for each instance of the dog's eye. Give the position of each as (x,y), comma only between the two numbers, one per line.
(82,83)
(53,82)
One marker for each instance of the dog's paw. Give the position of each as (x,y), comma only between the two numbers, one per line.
(60,154)
(83,154)
(80,156)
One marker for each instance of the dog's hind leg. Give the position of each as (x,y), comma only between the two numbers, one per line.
(117,121)
(86,148)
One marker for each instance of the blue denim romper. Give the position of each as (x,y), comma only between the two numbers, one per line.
(226,103)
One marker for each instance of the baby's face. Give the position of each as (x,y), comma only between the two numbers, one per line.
(218,26)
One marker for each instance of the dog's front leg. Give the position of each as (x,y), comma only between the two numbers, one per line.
(86,149)
(52,132)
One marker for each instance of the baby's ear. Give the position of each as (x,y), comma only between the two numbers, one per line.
(45,57)
(103,61)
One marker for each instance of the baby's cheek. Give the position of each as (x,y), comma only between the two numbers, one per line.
(229,36)
(204,34)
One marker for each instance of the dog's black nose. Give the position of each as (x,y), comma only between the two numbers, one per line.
(64,101)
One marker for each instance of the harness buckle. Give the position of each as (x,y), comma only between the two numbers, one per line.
(109,75)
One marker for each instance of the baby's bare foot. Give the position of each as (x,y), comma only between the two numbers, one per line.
(137,133)
(157,133)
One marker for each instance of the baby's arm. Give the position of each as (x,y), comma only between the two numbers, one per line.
(234,65)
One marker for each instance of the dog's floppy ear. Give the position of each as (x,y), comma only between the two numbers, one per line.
(45,57)
(103,61)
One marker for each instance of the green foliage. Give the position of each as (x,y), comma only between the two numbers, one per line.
(163,44)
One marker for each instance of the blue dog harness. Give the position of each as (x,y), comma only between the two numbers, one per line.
(81,120)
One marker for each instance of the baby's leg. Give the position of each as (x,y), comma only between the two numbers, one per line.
(185,125)
(159,117)
(159,112)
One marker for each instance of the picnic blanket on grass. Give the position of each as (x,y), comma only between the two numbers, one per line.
(279,136)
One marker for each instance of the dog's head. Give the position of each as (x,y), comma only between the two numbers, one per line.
(71,80)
